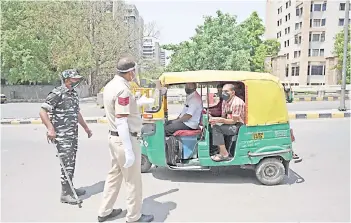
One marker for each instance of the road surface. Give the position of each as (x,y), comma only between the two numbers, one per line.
(31,110)
(318,188)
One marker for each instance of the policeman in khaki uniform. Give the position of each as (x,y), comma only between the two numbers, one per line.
(124,122)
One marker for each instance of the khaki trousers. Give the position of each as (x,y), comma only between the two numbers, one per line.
(131,176)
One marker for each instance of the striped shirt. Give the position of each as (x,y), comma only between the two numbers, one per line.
(235,107)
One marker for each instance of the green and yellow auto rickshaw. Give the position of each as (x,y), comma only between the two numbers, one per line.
(263,142)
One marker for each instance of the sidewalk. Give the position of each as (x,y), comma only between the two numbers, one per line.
(322,114)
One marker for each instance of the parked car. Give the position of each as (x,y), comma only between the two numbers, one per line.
(3,98)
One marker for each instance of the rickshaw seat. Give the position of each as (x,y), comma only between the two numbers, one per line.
(188,132)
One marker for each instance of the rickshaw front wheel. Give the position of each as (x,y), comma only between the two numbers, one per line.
(270,171)
(145,164)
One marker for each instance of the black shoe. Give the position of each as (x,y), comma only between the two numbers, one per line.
(145,218)
(114,213)
(80,192)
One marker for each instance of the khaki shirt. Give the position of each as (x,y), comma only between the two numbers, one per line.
(119,100)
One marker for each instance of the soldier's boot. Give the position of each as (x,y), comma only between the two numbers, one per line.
(80,192)
(67,196)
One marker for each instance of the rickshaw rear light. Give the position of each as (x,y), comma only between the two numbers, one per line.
(148,116)
(292,135)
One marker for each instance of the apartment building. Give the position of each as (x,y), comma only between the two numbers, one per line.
(162,57)
(306,31)
(152,52)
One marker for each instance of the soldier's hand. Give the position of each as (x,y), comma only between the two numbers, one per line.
(51,134)
(89,132)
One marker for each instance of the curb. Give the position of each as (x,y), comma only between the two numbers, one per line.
(103,120)
(296,99)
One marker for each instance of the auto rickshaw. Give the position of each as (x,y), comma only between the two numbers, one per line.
(263,142)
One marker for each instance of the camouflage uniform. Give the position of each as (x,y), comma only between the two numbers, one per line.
(62,104)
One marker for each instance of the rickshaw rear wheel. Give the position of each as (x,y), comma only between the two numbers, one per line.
(145,164)
(270,171)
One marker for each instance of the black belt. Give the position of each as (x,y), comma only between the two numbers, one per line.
(134,134)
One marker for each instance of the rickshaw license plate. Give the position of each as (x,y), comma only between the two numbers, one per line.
(258,135)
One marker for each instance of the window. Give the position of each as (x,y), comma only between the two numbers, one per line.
(317,70)
(300,25)
(315,37)
(317,7)
(297,26)
(296,39)
(342,6)
(295,71)
(321,52)
(287,5)
(289,16)
(279,34)
(286,31)
(315,52)
(309,52)
(297,54)
(300,39)
(280,10)
(286,18)
(299,11)
(310,37)
(316,22)
(287,56)
(323,22)
(310,23)
(308,70)
(289,2)
(278,23)
(288,42)
(341,22)
(324,6)
(287,71)
(281,21)
(323,37)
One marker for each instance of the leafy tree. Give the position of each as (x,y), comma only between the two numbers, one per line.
(217,45)
(222,44)
(339,52)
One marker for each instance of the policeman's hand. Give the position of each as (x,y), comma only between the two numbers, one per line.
(130,158)
(51,134)
(89,132)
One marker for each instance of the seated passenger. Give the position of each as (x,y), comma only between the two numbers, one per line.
(190,117)
(216,111)
(233,116)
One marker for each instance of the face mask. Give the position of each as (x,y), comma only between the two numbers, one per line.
(74,84)
(189,91)
(225,96)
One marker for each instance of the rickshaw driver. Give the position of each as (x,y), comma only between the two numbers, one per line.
(189,119)
(233,115)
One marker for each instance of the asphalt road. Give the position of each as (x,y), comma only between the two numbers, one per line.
(318,188)
(31,110)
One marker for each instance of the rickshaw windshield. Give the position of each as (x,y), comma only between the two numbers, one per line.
(156,106)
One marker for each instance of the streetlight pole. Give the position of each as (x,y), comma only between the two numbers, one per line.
(344,62)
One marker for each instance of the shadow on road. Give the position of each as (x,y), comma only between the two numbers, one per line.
(93,190)
(294,178)
(224,175)
(160,210)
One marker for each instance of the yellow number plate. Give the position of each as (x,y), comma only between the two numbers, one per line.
(258,135)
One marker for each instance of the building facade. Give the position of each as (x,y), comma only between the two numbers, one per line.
(306,31)
(152,52)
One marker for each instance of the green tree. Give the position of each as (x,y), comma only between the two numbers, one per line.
(222,44)
(217,45)
(339,52)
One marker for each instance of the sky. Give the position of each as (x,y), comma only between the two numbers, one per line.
(177,20)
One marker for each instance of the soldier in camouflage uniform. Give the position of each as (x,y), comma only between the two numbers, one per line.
(61,114)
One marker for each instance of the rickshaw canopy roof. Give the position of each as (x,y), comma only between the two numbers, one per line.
(264,94)
(203,76)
